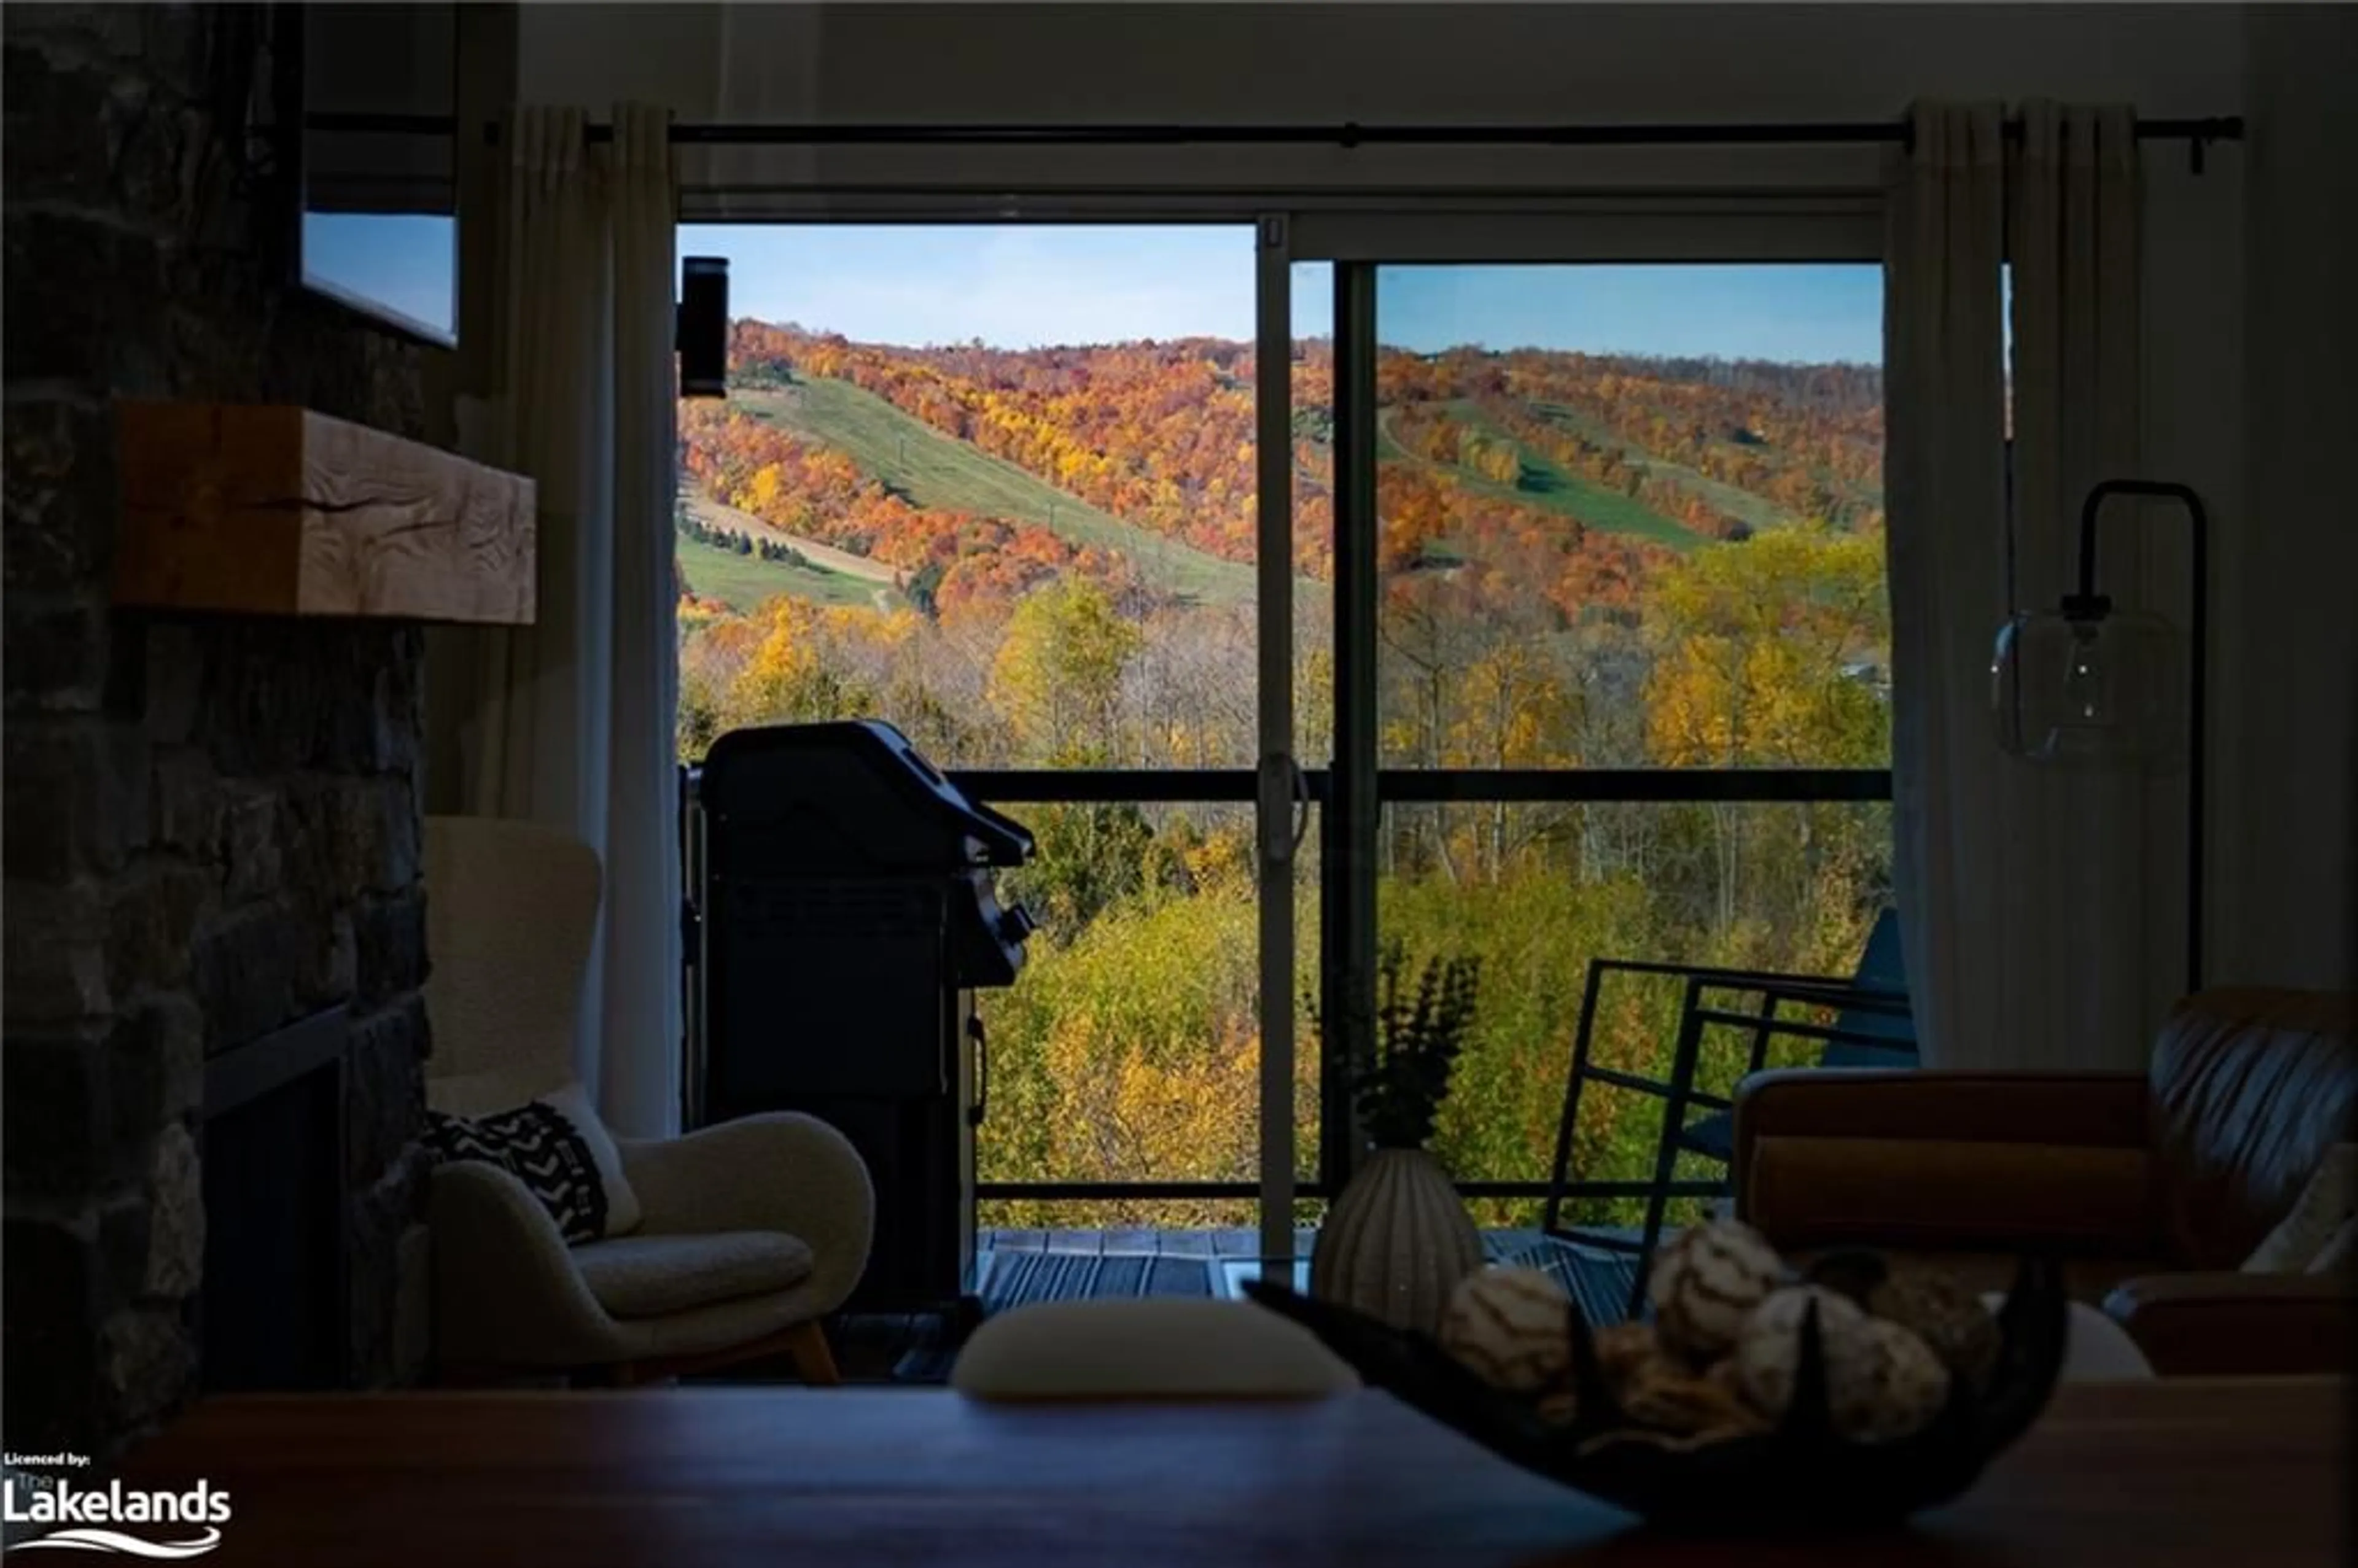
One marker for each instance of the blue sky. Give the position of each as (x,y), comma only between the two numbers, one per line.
(1027,285)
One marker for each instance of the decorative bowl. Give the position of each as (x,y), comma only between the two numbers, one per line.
(1800,1475)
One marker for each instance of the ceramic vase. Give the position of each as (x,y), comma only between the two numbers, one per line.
(1397,1242)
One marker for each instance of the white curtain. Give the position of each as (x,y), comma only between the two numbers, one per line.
(569,721)
(1944,479)
(2023,892)
(2091,890)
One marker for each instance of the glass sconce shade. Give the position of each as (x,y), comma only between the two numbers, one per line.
(2104,690)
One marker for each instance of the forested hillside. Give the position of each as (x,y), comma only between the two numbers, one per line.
(1045,558)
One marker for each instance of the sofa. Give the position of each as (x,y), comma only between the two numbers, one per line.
(2152,1188)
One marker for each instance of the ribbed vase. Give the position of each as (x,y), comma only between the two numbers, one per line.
(1397,1242)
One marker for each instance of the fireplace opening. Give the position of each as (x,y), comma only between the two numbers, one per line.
(274,1309)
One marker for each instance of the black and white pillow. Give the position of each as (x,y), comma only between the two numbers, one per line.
(558,1148)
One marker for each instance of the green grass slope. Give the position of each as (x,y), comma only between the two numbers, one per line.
(745,582)
(1546,484)
(937,471)
(1758,510)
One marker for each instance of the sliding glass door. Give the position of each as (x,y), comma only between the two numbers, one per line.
(1318,585)
(1610,652)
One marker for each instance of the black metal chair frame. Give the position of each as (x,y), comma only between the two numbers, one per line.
(1774,990)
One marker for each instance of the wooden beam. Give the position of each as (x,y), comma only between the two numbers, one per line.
(266,510)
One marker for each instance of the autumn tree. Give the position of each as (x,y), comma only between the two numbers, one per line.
(1767,653)
(1058,679)
(1770,653)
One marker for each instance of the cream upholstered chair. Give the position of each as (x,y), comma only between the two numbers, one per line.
(750,1232)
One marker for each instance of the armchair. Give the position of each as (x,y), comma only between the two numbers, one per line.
(750,1231)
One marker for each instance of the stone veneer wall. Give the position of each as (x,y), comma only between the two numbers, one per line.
(212,825)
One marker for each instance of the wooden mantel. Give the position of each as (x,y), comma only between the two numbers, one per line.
(266,510)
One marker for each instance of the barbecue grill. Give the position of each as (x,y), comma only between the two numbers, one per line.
(844,913)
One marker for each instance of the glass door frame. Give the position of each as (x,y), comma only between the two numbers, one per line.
(1689,229)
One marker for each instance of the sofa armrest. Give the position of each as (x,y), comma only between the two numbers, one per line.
(777,1171)
(2104,1108)
(1946,1160)
(506,1292)
(2237,1325)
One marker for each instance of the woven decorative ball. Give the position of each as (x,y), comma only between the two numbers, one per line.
(1510,1326)
(1946,1316)
(1705,1284)
(1910,1386)
(1768,1351)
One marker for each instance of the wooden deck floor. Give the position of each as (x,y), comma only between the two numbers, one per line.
(1141,1242)
(1227,1243)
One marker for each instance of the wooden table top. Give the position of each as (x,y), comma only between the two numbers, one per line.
(2207,1472)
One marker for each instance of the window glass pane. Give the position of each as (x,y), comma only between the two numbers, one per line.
(1129,1049)
(992,483)
(996,486)
(1312,288)
(1631,517)
(1536,891)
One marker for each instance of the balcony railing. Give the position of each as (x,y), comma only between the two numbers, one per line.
(1541,1052)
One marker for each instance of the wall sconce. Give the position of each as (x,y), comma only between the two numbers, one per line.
(702,327)
(2087,685)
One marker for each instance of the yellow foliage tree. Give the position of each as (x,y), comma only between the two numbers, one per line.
(1056,678)
(1768,653)
(1771,652)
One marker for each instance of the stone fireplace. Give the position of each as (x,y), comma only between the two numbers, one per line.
(212,823)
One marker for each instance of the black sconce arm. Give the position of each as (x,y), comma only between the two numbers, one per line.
(2087,604)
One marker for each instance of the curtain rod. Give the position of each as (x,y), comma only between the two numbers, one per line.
(2198,131)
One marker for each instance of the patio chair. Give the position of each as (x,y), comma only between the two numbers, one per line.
(1872,1028)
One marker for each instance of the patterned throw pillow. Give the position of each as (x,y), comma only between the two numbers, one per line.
(2340,1253)
(2325,1205)
(572,1102)
(541,1148)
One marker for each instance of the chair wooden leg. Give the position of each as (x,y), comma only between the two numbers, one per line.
(813,1362)
(804,1345)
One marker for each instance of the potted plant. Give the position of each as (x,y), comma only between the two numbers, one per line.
(1399,1239)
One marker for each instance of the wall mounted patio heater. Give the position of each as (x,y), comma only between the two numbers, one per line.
(846,912)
